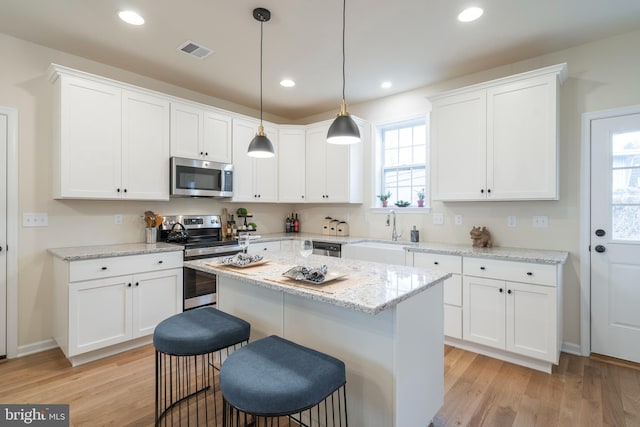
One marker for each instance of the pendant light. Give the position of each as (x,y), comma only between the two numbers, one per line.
(260,145)
(343,130)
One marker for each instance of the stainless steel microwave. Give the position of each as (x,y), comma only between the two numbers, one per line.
(200,178)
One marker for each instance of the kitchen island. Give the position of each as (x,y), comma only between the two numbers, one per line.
(385,322)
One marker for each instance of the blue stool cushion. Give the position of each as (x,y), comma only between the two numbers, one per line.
(274,376)
(199,331)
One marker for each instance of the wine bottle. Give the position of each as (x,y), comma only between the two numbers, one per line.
(296,224)
(287,225)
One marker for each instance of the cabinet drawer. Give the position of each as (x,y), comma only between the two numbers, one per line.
(117,266)
(448,263)
(515,271)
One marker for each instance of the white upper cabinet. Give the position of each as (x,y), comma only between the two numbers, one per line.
(109,142)
(291,164)
(254,179)
(145,144)
(498,140)
(200,133)
(333,172)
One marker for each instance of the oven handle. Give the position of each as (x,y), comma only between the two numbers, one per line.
(213,251)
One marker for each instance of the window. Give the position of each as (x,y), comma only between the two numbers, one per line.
(403,156)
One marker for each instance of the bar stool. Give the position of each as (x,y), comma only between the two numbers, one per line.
(187,346)
(273,377)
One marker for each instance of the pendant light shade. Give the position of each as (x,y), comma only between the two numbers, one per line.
(260,145)
(343,130)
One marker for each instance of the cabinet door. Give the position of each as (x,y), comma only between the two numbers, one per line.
(265,171)
(216,143)
(156,296)
(531,321)
(291,165)
(99,313)
(145,147)
(522,159)
(243,174)
(316,163)
(90,132)
(483,311)
(337,173)
(458,147)
(186,130)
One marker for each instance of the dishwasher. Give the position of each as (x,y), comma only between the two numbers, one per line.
(327,249)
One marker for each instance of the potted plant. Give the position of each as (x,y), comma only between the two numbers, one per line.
(383,198)
(420,198)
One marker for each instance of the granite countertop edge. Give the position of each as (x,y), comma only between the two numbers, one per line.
(106,251)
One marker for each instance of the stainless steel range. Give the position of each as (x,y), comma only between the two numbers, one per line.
(202,238)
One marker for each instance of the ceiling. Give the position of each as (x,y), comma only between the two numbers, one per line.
(412,43)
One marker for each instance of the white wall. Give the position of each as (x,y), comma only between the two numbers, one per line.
(602,74)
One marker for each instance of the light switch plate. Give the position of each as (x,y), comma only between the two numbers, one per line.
(117,219)
(511,221)
(438,218)
(35,219)
(458,219)
(541,221)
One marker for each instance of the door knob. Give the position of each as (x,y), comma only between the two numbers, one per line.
(600,249)
(600,232)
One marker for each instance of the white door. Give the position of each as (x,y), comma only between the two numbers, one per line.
(483,311)
(615,237)
(3,233)
(156,296)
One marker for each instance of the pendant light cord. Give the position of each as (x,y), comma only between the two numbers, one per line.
(344,7)
(261,36)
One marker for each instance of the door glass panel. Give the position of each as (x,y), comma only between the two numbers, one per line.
(625,186)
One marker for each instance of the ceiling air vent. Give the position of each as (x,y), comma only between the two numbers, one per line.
(195,49)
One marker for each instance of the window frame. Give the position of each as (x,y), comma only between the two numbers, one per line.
(378,163)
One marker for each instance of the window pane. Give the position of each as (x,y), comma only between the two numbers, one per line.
(405,156)
(419,154)
(391,138)
(419,135)
(406,137)
(625,222)
(625,186)
(391,157)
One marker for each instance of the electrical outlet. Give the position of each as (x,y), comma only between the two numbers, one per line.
(511,221)
(458,219)
(438,218)
(117,219)
(541,221)
(35,220)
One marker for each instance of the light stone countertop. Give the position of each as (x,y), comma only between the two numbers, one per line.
(502,253)
(106,251)
(368,287)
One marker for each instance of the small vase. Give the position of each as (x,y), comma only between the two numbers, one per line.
(420,203)
(384,203)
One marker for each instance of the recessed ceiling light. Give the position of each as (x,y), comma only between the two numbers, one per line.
(131,17)
(470,14)
(386,85)
(287,83)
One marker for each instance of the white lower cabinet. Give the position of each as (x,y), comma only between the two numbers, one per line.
(102,303)
(261,247)
(452,287)
(518,317)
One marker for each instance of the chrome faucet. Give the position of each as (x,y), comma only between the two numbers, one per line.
(394,232)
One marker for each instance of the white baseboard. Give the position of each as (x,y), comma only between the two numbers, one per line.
(572,348)
(36,347)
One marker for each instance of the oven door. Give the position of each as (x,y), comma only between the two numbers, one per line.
(199,288)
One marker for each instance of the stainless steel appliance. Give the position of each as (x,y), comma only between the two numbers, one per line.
(202,238)
(327,249)
(200,178)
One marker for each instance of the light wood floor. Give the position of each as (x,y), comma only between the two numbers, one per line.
(480,391)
